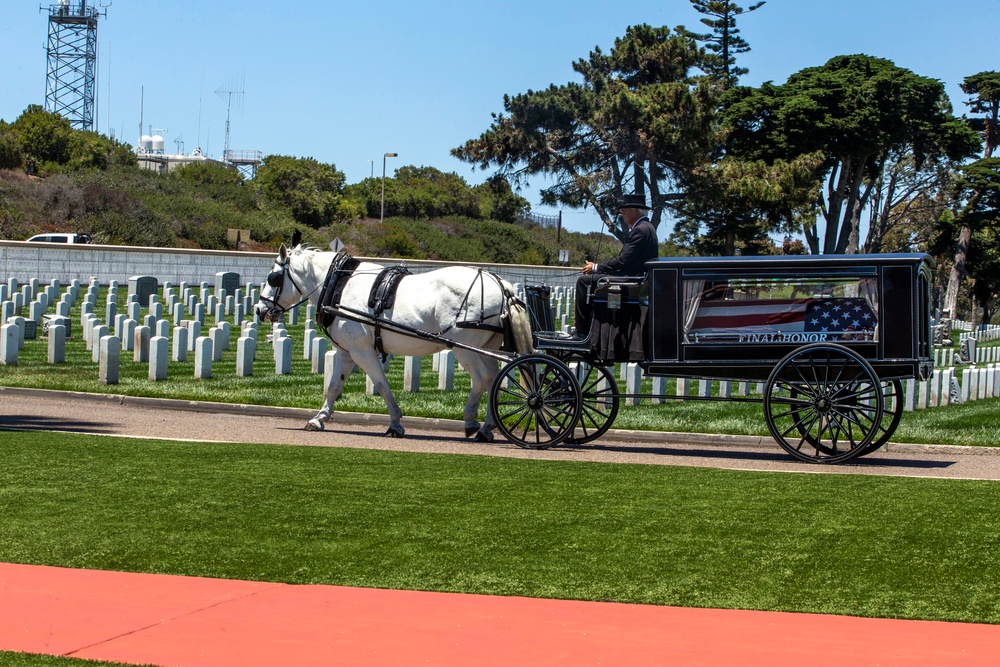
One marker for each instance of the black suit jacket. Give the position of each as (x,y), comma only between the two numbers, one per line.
(641,245)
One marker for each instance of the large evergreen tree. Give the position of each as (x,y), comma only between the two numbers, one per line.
(643,114)
(858,111)
(984,89)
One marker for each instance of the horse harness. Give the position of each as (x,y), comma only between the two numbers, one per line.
(340,271)
(383,296)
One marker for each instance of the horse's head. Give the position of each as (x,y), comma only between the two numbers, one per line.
(275,299)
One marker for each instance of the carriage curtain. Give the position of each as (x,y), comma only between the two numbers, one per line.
(869,288)
(693,290)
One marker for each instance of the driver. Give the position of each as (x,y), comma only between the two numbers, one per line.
(641,245)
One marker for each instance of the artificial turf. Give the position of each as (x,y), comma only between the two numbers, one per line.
(857,545)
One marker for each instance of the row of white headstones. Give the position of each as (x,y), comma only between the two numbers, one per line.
(149,341)
(149,338)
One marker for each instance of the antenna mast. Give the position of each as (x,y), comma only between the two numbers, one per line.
(231,91)
(71,67)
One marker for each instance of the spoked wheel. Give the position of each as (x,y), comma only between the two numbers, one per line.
(535,401)
(598,401)
(823,403)
(892,412)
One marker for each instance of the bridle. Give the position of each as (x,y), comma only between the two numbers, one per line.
(276,280)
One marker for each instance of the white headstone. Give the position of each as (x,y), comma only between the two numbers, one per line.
(57,344)
(246,349)
(309,335)
(127,335)
(446,370)
(319,354)
(140,345)
(110,353)
(283,355)
(99,332)
(194,332)
(633,382)
(411,374)
(659,389)
(215,333)
(158,347)
(8,345)
(181,347)
(203,358)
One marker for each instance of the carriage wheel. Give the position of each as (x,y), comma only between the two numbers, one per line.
(823,403)
(598,401)
(892,412)
(535,401)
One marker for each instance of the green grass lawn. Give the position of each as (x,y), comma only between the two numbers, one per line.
(975,423)
(858,545)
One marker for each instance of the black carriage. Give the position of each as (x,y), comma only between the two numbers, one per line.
(831,338)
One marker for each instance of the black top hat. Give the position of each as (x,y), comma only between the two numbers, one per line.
(633,201)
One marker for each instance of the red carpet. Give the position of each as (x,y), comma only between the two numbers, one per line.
(169,620)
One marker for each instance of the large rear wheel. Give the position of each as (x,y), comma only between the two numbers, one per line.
(823,403)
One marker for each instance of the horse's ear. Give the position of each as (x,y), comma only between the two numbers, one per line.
(282,254)
(296,238)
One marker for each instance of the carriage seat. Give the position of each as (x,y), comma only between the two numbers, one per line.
(615,291)
(620,304)
(543,331)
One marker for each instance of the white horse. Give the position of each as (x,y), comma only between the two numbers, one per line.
(435,302)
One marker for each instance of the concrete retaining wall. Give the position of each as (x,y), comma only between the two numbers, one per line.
(47,261)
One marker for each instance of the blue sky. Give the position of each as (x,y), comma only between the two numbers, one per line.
(345,82)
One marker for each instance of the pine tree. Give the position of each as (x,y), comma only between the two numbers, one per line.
(724,42)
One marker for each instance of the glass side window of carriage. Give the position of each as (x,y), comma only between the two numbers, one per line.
(780,310)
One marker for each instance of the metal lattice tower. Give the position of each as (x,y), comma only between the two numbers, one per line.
(72,61)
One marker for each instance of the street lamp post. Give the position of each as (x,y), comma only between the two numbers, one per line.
(387,155)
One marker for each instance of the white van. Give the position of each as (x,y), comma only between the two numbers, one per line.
(60,238)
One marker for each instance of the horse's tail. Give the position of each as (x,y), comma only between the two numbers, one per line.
(520,322)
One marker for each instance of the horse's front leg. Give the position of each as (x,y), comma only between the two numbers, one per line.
(370,363)
(343,366)
(482,372)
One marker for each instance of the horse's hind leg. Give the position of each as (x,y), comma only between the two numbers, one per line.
(482,371)
(371,364)
(343,365)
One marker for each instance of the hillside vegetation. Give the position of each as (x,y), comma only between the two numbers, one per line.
(56,179)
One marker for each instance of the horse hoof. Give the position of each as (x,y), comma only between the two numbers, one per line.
(483,437)
(471,430)
(314,425)
(396,432)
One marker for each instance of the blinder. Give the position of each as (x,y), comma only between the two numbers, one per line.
(276,280)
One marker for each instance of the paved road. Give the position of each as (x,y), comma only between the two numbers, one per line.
(158,418)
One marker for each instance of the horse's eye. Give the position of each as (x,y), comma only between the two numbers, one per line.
(275,279)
